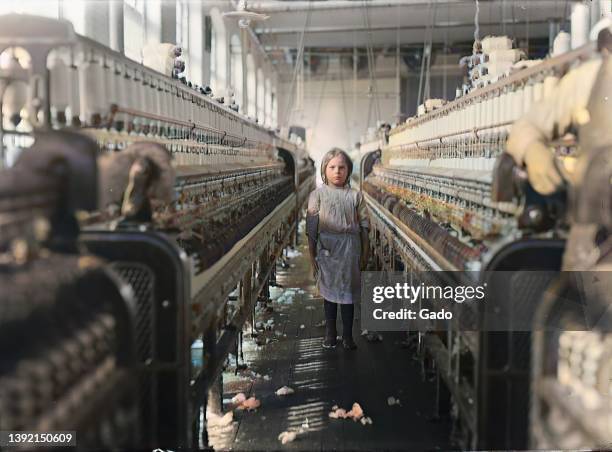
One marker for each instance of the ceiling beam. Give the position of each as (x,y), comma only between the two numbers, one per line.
(346,29)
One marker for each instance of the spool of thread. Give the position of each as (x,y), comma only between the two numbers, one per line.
(59,95)
(151,96)
(505,56)
(473,115)
(199,106)
(550,82)
(74,104)
(477,114)
(205,113)
(176,102)
(538,91)
(517,98)
(111,77)
(527,97)
(92,92)
(14,100)
(482,105)
(489,111)
(168,100)
(156,96)
(178,105)
(183,114)
(497,110)
(468,122)
(461,119)
(124,85)
(457,121)
(492,43)
(147,97)
(134,97)
(143,98)
(195,111)
(158,92)
(15,94)
(444,125)
(470,116)
(187,107)
(561,44)
(504,106)
(580,20)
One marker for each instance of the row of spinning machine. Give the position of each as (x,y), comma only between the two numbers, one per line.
(132,205)
(439,203)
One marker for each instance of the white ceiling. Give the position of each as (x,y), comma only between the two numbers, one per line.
(349,23)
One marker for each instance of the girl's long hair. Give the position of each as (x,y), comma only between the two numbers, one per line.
(335,152)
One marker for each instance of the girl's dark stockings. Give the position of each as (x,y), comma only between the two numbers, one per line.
(331,314)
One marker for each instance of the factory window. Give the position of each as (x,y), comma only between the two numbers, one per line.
(218,55)
(274,111)
(236,70)
(182,23)
(133,28)
(261,88)
(268,103)
(152,14)
(251,86)
(195,48)
(213,58)
(208,34)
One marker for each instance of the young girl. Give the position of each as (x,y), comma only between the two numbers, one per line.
(337,228)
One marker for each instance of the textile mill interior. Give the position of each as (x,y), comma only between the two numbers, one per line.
(190,188)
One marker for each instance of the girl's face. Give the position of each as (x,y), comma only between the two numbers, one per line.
(336,171)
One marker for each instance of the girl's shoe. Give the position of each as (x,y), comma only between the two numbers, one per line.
(348,343)
(329,342)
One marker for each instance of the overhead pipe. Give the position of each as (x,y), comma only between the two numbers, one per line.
(295,6)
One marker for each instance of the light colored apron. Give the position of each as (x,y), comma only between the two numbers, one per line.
(339,277)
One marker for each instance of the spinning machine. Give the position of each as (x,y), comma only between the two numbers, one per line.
(444,199)
(193,202)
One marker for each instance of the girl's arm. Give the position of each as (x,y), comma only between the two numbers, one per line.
(312,225)
(365,248)
(312,229)
(364,228)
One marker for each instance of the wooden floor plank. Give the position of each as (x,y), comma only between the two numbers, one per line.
(323,378)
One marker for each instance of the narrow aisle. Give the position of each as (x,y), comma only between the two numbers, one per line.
(321,378)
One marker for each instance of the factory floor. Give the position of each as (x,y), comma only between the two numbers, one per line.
(290,354)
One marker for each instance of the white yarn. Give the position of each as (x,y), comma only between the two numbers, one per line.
(492,43)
